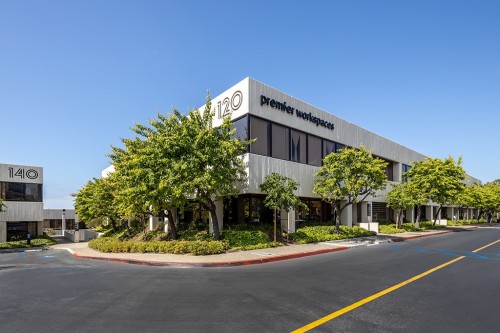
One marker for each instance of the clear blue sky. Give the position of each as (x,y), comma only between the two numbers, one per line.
(75,75)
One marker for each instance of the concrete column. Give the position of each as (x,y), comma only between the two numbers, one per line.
(450,212)
(175,217)
(397,171)
(346,217)
(63,219)
(3,231)
(39,227)
(219,210)
(153,223)
(366,212)
(288,220)
(355,213)
(429,213)
(410,215)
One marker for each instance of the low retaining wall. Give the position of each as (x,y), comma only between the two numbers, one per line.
(82,235)
(372,226)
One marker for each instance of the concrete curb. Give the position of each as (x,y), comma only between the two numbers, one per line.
(247,262)
(401,239)
(213,264)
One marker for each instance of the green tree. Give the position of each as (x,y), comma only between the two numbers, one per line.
(440,179)
(212,159)
(152,170)
(469,197)
(280,194)
(491,198)
(350,175)
(3,208)
(95,200)
(401,197)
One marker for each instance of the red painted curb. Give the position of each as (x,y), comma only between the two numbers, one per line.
(213,264)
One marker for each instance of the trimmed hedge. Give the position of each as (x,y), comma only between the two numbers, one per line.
(424,225)
(39,241)
(106,244)
(315,234)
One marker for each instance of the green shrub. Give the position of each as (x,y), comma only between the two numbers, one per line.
(389,229)
(195,235)
(238,238)
(197,247)
(322,233)
(38,241)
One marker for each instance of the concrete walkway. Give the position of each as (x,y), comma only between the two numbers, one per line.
(241,258)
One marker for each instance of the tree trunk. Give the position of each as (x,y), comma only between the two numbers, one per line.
(144,226)
(437,214)
(215,221)
(113,223)
(171,224)
(399,218)
(419,214)
(337,217)
(274,220)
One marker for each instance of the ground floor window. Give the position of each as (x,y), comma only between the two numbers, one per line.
(57,224)
(379,210)
(20,230)
(316,210)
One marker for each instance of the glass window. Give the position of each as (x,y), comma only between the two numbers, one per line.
(280,147)
(298,146)
(339,146)
(328,147)
(241,126)
(313,150)
(315,210)
(389,171)
(405,168)
(259,130)
(21,192)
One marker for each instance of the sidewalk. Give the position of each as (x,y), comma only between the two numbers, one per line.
(241,258)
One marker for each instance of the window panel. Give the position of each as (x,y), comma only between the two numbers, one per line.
(259,129)
(339,146)
(314,150)
(21,192)
(328,147)
(241,126)
(298,146)
(280,147)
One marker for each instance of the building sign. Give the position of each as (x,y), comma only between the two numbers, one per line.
(227,105)
(20,173)
(282,106)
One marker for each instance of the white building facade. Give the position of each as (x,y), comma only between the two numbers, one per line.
(21,190)
(292,138)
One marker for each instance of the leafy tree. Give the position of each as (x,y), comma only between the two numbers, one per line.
(2,206)
(351,175)
(212,159)
(469,197)
(152,170)
(401,197)
(491,198)
(280,194)
(440,179)
(95,200)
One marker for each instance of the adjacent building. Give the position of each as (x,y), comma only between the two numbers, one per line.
(21,190)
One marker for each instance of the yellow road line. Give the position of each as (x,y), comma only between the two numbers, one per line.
(368,299)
